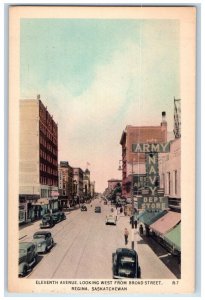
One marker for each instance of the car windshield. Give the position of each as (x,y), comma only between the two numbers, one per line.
(46,217)
(39,236)
(127,262)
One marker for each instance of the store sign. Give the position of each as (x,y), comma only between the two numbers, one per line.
(153,203)
(152,147)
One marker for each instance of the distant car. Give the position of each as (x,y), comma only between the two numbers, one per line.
(47,221)
(28,257)
(125,264)
(111,220)
(43,240)
(98,209)
(83,208)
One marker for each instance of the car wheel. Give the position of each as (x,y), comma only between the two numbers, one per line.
(46,250)
(25,271)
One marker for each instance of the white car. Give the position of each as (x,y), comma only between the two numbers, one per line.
(111,220)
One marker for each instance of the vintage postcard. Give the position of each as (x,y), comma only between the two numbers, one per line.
(101,150)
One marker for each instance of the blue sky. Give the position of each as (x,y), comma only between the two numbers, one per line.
(96,77)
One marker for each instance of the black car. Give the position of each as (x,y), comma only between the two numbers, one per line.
(125,264)
(98,209)
(56,217)
(47,221)
(62,215)
(83,208)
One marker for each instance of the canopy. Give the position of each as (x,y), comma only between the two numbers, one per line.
(149,217)
(166,223)
(173,237)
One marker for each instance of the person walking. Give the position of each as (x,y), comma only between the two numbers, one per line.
(126,234)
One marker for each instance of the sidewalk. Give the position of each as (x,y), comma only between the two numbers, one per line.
(155,261)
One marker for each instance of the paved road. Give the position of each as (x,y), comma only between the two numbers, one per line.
(84,245)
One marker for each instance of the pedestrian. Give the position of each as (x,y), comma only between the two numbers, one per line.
(135,224)
(141,230)
(126,234)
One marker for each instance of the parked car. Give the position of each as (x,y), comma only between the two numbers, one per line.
(62,215)
(56,217)
(83,208)
(98,209)
(47,221)
(125,264)
(28,257)
(43,240)
(111,220)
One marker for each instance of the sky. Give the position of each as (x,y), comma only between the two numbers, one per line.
(98,76)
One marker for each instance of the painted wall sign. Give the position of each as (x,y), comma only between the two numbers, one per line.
(155,147)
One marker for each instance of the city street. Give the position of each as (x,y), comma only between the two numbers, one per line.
(84,246)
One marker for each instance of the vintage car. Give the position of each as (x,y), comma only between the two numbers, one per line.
(43,240)
(98,209)
(111,219)
(125,264)
(28,257)
(58,216)
(62,215)
(83,208)
(47,221)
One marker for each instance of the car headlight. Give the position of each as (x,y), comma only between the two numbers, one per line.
(39,244)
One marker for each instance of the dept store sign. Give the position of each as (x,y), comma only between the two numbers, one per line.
(153,203)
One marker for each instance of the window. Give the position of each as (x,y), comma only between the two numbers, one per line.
(168,183)
(175,182)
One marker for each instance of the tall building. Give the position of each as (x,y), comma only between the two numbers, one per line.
(134,163)
(38,166)
(65,184)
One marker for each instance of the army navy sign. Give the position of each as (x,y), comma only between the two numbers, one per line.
(151,148)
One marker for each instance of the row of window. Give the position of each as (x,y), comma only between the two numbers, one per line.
(48,181)
(52,136)
(170,182)
(48,169)
(47,145)
(48,157)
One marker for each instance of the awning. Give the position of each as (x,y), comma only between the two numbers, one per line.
(166,223)
(173,237)
(150,217)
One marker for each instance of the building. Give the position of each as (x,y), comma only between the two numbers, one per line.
(92,189)
(133,164)
(112,183)
(77,184)
(86,184)
(65,184)
(170,174)
(38,165)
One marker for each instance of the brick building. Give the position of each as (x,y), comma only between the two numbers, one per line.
(134,163)
(38,165)
(112,183)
